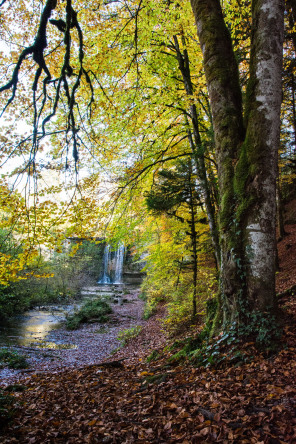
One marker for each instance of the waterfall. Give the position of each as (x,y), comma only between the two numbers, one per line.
(106,279)
(119,264)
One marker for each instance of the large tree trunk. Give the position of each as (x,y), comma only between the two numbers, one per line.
(261,144)
(246,153)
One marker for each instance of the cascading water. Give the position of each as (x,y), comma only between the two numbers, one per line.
(106,279)
(119,264)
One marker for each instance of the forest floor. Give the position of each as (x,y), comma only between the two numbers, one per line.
(130,400)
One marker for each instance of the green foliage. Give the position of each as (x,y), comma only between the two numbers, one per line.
(126,335)
(22,295)
(70,268)
(264,327)
(262,330)
(53,280)
(179,308)
(8,245)
(178,298)
(95,310)
(186,347)
(172,189)
(156,288)
(10,298)
(154,297)
(216,351)
(10,302)
(142,295)
(12,359)
(179,311)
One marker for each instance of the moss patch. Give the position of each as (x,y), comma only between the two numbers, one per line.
(95,310)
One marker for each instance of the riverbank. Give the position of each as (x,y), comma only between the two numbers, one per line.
(90,344)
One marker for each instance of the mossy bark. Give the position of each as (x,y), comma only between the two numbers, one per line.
(246,148)
(262,142)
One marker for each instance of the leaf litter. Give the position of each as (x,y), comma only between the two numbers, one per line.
(125,399)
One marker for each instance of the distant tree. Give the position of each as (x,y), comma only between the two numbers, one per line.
(175,193)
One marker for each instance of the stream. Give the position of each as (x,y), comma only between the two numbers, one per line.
(33,327)
(40,334)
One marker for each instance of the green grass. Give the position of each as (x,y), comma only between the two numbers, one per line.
(95,310)
(126,335)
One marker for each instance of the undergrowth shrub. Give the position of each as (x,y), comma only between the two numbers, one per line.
(264,329)
(238,344)
(12,359)
(178,297)
(154,297)
(170,274)
(180,306)
(95,310)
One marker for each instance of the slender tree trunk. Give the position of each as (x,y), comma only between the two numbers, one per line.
(291,5)
(179,272)
(203,183)
(280,217)
(293,106)
(197,149)
(193,242)
(246,153)
(194,256)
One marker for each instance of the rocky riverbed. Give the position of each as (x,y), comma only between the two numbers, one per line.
(90,344)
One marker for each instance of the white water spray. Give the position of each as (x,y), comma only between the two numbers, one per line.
(106,279)
(119,264)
